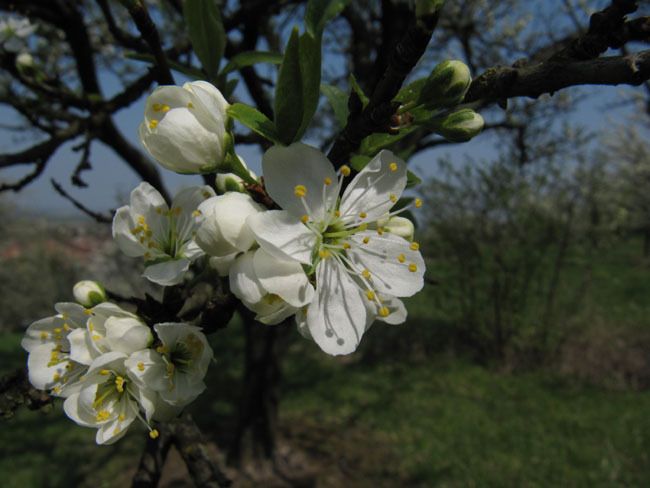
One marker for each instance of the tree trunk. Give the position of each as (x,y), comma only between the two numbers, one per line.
(646,242)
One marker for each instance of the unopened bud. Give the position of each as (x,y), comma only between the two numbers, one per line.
(226,182)
(460,126)
(400,226)
(446,85)
(89,293)
(24,61)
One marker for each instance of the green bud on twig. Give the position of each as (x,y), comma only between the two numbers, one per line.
(446,85)
(460,126)
(89,293)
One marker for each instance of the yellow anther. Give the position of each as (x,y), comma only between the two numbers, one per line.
(44,335)
(58,330)
(102,415)
(362,215)
(380,231)
(104,372)
(141,366)
(96,337)
(68,366)
(121,417)
(384,312)
(370,294)
(328,181)
(162,350)
(206,194)
(196,213)
(304,219)
(418,203)
(165,108)
(337,213)
(362,227)
(324,253)
(66,327)
(345,170)
(346,245)
(54,356)
(414,246)
(56,390)
(91,326)
(119,384)
(154,434)
(366,240)
(392,167)
(151,244)
(157,107)
(365,273)
(153,123)
(393,198)
(300,191)
(413,267)
(170,368)
(190,105)
(88,311)
(147,255)
(401,258)
(56,377)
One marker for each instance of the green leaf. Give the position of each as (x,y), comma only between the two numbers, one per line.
(374,143)
(320,12)
(339,101)
(229,88)
(194,73)
(358,161)
(310,66)
(254,120)
(357,89)
(289,107)
(206,32)
(412,179)
(297,89)
(249,58)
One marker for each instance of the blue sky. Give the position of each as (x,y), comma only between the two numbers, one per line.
(110,180)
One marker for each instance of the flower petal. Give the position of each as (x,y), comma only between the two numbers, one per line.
(283,278)
(395,268)
(299,164)
(243,281)
(283,236)
(167,273)
(81,350)
(371,190)
(337,315)
(123,224)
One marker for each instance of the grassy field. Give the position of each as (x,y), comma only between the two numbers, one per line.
(380,418)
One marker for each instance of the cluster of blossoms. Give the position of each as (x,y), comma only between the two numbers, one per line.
(319,245)
(110,367)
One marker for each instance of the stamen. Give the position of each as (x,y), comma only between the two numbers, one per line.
(304,219)
(104,372)
(154,434)
(401,258)
(328,181)
(300,191)
(393,167)
(370,294)
(190,105)
(413,267)
(345,170)
(153,124)
(363,215)
(418,203)
(366,240)
(141,366)
(414,246)
(365,273)
(392,198)
(346,245)
(384,312)
(119,384)
(324,254)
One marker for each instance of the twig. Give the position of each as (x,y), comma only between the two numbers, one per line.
(153,459)
(15,390)
(102,219)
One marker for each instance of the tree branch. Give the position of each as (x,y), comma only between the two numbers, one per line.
(153,459)
(16,390)
(102,219)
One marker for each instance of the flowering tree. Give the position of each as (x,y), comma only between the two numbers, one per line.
(321,240)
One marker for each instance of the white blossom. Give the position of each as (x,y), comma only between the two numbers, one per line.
(14,32)
(272,288)
(163,236)
(359,272)
(109,400)
(184,127)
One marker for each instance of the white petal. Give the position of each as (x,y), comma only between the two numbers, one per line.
(223,264)
(41,371)
(186,202)
(147,369)
(183,392)
(398,313)
(127,335)
(337,315)
(113,361)
(128,243)
(301,323)
(41,332)
(77,411)
(172,96)
(283,236)
(81,350)
(381,256)
(277,315)
(167,273)
(371,190)
(243,281)
(299,164)
(145,199)
(284,278)
(72,313)
(209,105)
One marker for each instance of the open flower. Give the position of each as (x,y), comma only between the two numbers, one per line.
(184,127)
(14,32)
(162,235)
(358,272)
(178,365)
(109,400)
(50,364)
(272,288)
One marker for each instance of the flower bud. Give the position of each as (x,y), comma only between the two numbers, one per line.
(89,293)
(184,128)
(400,226)
(226,182)
(460,126)
(24,61)
(446,85)
(223,229)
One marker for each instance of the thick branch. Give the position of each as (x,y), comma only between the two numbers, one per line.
(532,81)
